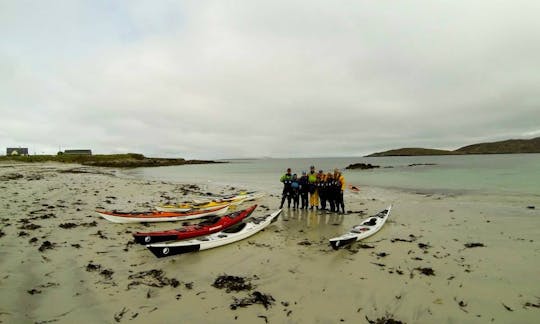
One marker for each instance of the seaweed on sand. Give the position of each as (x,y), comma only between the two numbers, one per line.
(232,283)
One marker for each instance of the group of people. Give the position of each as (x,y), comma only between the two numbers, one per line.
(326,189)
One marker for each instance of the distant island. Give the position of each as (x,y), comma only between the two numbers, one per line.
(511,146)
(129,160)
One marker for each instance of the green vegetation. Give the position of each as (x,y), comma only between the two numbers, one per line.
(130,160)
(502,147)
(413,151)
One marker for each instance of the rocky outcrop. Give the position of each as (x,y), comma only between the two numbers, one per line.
(361,166)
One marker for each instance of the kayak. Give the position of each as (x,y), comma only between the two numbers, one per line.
(368,227)
(212,225)
(242,196)
(184,207)
(157,216)
(232,234)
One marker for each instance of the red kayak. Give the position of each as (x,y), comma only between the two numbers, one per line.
(206,227)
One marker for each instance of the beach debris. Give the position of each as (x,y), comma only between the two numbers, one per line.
(531,207)
(118,316)
(29,227)
(107,273)
(305,242)
(263,317)
(67,225)
(33,177)
(92,267)
(382,254)
(424,246)
(384,320)
(11,176)
(101,235)
(366,246)
(382,265)
(2,233)
(33,240)
(256,297)
(425,271)
(472,245)
(189,285)
(411,239)
(461,304)
(232,283)
(529,304)
(46,246)
(33,291)
(90,224)
(152,278)
(507,307)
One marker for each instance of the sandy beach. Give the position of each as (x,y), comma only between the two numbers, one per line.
(61,262)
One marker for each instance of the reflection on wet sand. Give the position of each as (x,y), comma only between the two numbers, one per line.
(312,217)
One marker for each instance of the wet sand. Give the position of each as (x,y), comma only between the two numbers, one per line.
(61,262)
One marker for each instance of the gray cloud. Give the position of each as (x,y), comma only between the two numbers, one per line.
(267,78)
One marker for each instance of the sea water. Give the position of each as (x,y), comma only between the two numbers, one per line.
(494,173)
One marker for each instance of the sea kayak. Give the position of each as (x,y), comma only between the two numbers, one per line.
(368,227)
(232,234)
(212,225)
(241,196)
(157,216)
(184,207)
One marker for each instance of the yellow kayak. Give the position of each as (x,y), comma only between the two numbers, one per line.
(187,206)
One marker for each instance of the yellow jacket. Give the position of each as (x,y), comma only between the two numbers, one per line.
(341,179)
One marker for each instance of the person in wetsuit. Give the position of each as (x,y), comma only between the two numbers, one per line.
(295,190)
(313,194)
(321,188)
(286,179)
(330,187)
(304,190)
(339,198)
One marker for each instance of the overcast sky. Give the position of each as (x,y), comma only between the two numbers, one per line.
(223,79)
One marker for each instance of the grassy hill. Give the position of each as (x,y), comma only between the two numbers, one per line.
(130,160)
(412,151)
(501,147)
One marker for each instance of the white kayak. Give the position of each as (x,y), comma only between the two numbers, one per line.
(368,227)
(158,216)
(232,234)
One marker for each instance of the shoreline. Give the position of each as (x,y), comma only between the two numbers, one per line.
(90,272)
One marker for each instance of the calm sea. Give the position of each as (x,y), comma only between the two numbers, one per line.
(500,173)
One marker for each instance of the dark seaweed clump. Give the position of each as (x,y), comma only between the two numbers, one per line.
(152,278)
(255,298)
(426,271)
(472,245)
(384,320)
(46,246)
(232,283)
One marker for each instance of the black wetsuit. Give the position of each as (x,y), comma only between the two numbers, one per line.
(304,191)
(287,190)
